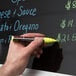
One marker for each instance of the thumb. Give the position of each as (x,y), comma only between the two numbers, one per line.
(34,44)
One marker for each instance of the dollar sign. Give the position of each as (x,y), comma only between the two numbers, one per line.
(68,5)
(63,24)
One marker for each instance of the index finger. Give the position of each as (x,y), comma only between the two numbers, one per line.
(33,35)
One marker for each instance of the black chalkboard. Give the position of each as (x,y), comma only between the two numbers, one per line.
(53,18)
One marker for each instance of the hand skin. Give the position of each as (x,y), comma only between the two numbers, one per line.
(19,55)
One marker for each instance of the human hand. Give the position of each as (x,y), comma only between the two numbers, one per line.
(18,55)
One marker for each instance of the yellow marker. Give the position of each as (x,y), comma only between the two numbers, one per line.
(45,39)
(49,40)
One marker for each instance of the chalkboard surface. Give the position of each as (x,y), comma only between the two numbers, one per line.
(53,18)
